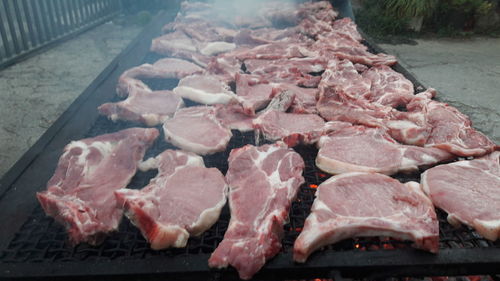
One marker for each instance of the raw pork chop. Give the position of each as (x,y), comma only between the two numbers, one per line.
(164,68)
(252,93)
(362,149)
(388,87)
(205,89)
(80,193)
(232,116)
(469,191)
(292,128)
(150,108)
(184,199)
(368,204)
(305,98)
(178,44)
(451,130)
(263,181)
(197,129)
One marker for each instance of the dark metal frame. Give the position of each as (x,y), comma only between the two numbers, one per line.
(35,25)
(32,171)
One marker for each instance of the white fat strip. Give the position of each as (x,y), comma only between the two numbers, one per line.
(181,44)
(215,48)
(204,97)
(401,124)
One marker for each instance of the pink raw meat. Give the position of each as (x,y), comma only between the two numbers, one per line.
(368,204)
(184,199)
(80,194)
(197,129)
(362,149)
(263,181)
(292,128)
(469,191)
(150,108)
(232,116)
(205,89)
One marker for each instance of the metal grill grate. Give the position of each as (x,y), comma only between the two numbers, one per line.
(43,240)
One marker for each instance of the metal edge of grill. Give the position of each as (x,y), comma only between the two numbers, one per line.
(35,245)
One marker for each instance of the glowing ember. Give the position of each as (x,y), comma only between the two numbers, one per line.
(321,175)
(356,246)
(313,186)
(298,229)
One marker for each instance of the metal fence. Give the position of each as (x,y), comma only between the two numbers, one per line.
(30,25)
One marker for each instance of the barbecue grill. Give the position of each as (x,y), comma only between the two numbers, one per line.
(34,245)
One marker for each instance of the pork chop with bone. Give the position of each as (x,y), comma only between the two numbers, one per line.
(364,205)
(149,107)
(205,89)
(348,148)
(184,199)
(469,191)
(163,68)
(198,130)
(80,194)
(263,182)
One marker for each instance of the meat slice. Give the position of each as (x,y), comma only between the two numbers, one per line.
(345,95)
(451,130)
(362,149)
(184,199)
(253,94)
(342,76)
(388,87)
(368,204)
(469,191)
(164,68)
(263,181)
(297,71)
(197,129)
(224,66)
(150,108)
(305,98)
(332,46)
(205,89)
(292,128)
(233,116)
(178,44)
(80,193)
(272,51)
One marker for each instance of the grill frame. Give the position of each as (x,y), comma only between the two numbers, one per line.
(32,171)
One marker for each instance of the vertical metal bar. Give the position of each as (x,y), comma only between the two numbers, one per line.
(72,13)
(46,25)
(5,40)
(29,23)
(63,5)
(20,23)
(59,20)
(92,10)
(88,3)
(83,14)
(106,8)
(42,34)
(52,19)
(12,29)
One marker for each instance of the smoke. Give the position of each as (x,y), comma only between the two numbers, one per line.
(241,12)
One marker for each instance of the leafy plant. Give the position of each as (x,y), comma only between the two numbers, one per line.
(373,19)
(410,8)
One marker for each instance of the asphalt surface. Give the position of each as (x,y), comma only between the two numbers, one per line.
(36,92)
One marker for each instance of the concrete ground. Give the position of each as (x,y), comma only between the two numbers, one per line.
(466,73)
(36,91)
